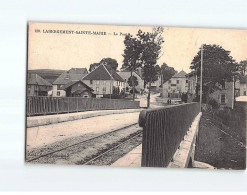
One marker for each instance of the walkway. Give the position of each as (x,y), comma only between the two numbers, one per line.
(131,159)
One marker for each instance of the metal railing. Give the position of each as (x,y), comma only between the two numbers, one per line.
(55,105)
(163,130)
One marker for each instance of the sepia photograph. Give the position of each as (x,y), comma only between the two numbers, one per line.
(136,96)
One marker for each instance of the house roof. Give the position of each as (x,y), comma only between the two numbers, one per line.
(35,79)
(74,82)
(192,73)
(181,74)
(78,71)
(67,77)
(126,74)
(243,79)
(103,72)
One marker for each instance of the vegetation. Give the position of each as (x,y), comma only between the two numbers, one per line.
(112,63)
(132,81)
(218,67)
(132,53)
(167,72)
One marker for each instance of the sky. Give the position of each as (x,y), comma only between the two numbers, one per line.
(65,46)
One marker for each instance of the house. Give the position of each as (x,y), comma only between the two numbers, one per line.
(37,86)
(175,86)
(127,74)
(77,89)
(227,93)
(104,81)
(192,83)
(243,85)
(156,84)
(49,75)
(74,74)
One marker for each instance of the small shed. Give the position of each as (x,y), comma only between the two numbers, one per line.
(78,89)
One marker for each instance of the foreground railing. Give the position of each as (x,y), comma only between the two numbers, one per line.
(163,130)
(56,105)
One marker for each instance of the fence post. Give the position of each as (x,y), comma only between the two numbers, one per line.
(57,105)
(76,104)
(68,104)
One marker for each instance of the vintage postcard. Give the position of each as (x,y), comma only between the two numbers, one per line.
(136,96)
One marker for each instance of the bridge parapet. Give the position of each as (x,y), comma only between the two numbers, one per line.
(164,129)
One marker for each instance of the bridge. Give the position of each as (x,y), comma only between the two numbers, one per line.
(163,137)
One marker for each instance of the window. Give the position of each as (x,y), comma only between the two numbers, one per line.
(104,90)
(244,93)
(97,82)
(174,85)
(223,85)
(177,81)
(91,82)
(223,99)
(97,89)
(58,93)
(187,81)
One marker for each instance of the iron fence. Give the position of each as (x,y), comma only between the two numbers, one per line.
(163,130)
(55,105)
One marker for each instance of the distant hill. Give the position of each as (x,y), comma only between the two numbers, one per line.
(48,74)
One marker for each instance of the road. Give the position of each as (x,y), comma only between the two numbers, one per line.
(48,134)
(42,140)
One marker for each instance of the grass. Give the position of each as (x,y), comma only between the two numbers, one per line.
(222,147)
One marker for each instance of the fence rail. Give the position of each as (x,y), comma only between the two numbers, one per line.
(163,130)
(56,105)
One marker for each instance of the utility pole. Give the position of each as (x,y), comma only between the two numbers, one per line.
(201,78)
(162,82)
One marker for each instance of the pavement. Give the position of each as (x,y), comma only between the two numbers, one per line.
(131,159)
(35,121)
(48,134)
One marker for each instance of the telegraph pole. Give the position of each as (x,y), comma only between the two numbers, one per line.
(201,78)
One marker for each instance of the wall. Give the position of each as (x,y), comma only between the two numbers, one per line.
(243,88)
(107,84)
(182,87)
(126,76)
(228,92)
(55,90)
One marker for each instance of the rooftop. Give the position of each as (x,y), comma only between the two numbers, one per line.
(103,72)
(35,79)
(181,74)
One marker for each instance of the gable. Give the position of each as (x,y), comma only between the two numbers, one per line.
(103,73)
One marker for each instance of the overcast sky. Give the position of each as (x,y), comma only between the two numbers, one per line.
(63,51)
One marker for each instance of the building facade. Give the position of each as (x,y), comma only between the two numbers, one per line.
(127,74)
(77,89)
(37,86)
(104,81)
(243,85)
(174,87)
(74,74)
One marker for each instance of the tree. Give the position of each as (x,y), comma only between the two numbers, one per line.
(218,67)
(151,48)
(112,63)
(133,82)
(93,66)
(132,54)
(167,72)
(242,67)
